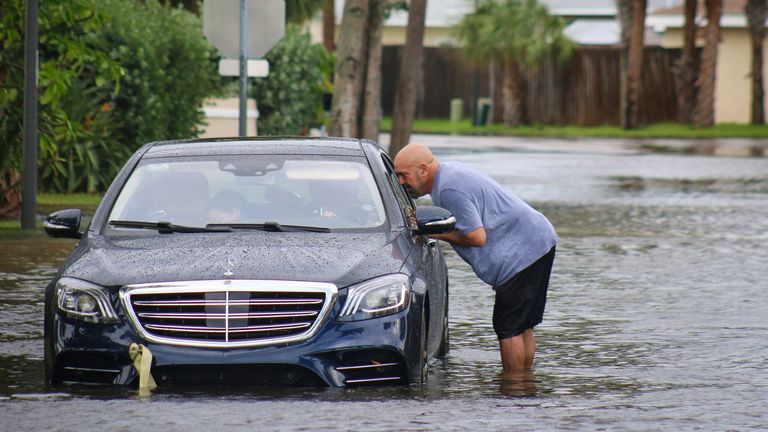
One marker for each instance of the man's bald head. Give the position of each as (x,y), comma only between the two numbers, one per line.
(413,154)
(415,166)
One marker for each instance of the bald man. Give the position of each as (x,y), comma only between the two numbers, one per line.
(509,245)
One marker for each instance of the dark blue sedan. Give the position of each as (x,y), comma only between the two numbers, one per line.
(275,262)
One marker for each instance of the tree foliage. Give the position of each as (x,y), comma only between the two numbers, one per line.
(170,68)
(290,98)
(518,33)
(522,30)
(113,75)
(69,63)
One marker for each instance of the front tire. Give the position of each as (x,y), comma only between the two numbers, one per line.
(423,353)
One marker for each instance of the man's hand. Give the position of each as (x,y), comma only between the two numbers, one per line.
(475,238)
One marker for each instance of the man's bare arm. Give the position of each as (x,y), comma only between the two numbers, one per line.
(475,238)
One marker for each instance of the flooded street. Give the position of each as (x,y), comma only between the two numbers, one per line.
(656,316)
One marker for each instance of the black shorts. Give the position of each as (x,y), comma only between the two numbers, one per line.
(520,301)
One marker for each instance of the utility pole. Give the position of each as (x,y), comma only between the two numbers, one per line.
(243,68)
(29,179)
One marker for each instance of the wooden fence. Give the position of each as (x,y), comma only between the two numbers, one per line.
(584,90)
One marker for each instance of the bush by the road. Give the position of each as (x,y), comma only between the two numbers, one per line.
(114,74)
(290,98)
(169,69)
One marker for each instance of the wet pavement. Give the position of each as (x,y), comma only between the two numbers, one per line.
(655,319)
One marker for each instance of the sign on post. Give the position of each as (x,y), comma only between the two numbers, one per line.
(261,25)
(256,68)
(266,26)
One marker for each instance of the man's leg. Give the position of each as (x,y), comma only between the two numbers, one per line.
(530,347)
(513,353)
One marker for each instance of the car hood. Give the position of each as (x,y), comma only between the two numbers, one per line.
(339,258)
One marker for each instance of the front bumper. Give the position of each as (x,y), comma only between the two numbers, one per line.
(377,351)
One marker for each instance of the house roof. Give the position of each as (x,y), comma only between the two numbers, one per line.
(603,32)
(730,7)
(446,13)
(673,17)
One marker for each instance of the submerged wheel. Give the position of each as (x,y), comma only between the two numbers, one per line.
(444,347)
(424,355)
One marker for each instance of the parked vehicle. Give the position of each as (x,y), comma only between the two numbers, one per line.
(296,262)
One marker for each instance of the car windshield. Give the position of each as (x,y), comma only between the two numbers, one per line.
(250,192)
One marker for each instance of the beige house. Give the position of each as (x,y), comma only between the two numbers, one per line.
(733,92)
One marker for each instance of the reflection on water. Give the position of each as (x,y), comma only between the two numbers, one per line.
(655,319)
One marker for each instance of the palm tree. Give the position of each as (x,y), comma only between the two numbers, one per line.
(411,74)
(329,25)
(684,70)
(704,111)
(757,13)
(357,76)
(517,33)
(301,11)
(634,58)
(349,72)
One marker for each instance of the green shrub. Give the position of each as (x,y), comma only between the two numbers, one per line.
(74,78)
(290,98)
(114,74)
(170,69)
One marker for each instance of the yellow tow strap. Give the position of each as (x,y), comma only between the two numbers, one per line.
(142,361)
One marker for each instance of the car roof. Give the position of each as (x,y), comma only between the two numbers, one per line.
(256,145)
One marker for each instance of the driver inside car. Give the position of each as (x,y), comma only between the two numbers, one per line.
(333,198)
(226,207)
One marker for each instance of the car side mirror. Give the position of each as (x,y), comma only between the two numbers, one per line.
(434,220)
(63,223)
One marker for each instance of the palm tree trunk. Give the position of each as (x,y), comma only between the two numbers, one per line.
(512,94)
(10,194)
(369,120)
(350,70)
(704,111)
(684,70)
(411,72)
(329,25)
(757,13)
(624,9)
(758,94)
(635,65)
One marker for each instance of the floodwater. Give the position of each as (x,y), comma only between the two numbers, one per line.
(656,318)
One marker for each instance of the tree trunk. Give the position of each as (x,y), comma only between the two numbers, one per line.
(512,94)
(492,91)
(329,25)
(684,70)
(757,13)
(350,70)
(624,9)
(758,95)
(369,119)
(704,111)
(10,195)
(411,71)
(635,64)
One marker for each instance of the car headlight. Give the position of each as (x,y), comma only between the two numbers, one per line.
(377,297)
(84,301)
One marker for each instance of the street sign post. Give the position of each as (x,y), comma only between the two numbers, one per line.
(262,24)
(265,22)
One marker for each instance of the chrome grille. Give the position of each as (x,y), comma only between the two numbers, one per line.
(228,313)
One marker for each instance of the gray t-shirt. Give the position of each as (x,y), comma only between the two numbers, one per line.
(516,234)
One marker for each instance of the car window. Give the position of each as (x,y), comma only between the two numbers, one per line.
(403,200)
(252,189)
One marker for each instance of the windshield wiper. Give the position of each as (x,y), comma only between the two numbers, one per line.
(166,227)
(270,226)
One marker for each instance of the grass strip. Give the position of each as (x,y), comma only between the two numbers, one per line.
(659,130)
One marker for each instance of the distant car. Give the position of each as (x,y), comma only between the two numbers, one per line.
(298,262)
